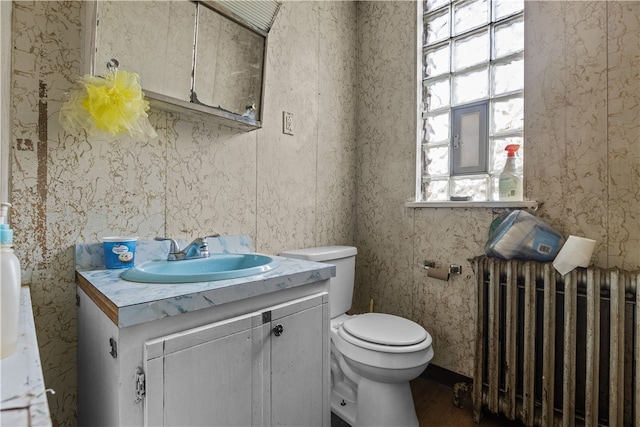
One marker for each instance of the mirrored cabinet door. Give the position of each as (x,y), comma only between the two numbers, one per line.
(228,65)
(154,39)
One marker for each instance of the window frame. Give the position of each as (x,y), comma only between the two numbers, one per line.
(492,137)
(455,151)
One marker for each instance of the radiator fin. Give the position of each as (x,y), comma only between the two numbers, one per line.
(616,379)
(593,339)
(549,340)
(568,362)
(511,336)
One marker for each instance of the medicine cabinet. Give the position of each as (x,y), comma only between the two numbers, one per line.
(202,58)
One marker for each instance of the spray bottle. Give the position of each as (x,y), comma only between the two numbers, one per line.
(510,183)
(9,287)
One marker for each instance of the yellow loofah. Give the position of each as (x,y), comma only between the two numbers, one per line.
(114,104)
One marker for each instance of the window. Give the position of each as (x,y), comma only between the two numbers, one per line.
(471,103)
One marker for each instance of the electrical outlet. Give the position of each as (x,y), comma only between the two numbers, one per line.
(287,123)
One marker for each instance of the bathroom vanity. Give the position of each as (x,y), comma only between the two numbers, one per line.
(249,351)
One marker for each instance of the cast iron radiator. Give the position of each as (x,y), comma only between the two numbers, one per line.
(557,350)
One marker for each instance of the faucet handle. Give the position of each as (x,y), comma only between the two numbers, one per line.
(174,245)
(204,247)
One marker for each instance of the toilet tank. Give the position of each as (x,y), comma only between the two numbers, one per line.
(340,286)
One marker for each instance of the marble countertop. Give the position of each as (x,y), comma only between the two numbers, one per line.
(23,395)
(130,303)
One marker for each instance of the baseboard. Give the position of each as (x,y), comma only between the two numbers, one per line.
(445,376)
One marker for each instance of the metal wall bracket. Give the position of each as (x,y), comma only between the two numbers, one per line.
(455,269)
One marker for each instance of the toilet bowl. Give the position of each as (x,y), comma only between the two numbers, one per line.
(376,368)
(373,355)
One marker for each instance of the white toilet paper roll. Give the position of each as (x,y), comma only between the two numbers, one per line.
(438,273)
(576,252)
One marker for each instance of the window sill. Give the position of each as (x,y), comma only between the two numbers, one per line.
(526,204)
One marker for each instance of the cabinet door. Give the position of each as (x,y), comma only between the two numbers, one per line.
(299,363)
(203,376)
(154,39)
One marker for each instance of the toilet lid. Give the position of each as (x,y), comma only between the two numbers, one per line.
(385,329)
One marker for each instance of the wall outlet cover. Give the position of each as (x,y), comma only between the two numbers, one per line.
(287,123)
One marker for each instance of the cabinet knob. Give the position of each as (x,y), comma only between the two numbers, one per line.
(277,331)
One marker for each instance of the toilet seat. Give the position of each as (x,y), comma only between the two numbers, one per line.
(384,333)
(385,329)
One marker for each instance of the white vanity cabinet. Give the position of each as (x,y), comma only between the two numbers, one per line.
(254,362)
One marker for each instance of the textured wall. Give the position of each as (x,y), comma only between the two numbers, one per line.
(583,155)
(583,123)
(5,97)
(582,130)
(196,177)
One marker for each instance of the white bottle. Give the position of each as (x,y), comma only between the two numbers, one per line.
(510,182)
(9,287)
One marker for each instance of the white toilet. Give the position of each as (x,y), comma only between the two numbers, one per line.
(373,355)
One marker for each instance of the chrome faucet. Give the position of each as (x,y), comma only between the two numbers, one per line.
(199,248)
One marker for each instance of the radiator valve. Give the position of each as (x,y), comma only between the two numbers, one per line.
(460,390)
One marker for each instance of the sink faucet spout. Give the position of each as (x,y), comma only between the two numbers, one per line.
(199,248)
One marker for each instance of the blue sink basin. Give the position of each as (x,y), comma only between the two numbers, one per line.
(216,267)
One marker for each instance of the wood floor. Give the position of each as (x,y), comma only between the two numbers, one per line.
(434,407)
